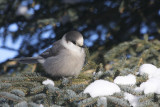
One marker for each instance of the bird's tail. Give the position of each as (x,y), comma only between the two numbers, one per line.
(28,60)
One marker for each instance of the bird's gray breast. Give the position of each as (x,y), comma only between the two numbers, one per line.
(64,64)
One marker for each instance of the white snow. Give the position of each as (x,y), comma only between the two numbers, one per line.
(101,88)
(148,69)
(133,100)
(104,88)
(48,81)
(152,84)
(125,80)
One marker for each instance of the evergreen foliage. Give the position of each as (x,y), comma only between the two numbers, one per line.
(112,21)
(26,88)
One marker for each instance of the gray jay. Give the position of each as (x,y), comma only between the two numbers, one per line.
(65,58)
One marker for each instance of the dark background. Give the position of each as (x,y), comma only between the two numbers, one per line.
(28,27)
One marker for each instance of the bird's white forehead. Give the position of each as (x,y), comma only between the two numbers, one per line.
(80,41)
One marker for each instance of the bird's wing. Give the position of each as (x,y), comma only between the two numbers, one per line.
(54,50)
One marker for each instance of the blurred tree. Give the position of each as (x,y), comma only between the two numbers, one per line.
(36,24)
(102,22)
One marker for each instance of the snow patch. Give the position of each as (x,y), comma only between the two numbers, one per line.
(148,69)
(152,84)
(48,81)
(101,88)
(133,100)
(125,80)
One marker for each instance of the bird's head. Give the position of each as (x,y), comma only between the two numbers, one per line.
(75,37)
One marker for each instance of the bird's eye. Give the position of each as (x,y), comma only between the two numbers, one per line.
(74,42)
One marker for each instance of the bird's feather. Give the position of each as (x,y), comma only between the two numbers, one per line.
(28,60)
(54,50)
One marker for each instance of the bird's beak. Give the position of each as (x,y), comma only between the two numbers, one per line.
(80,44)
(83,46)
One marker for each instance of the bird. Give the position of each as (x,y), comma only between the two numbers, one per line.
(65,58)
